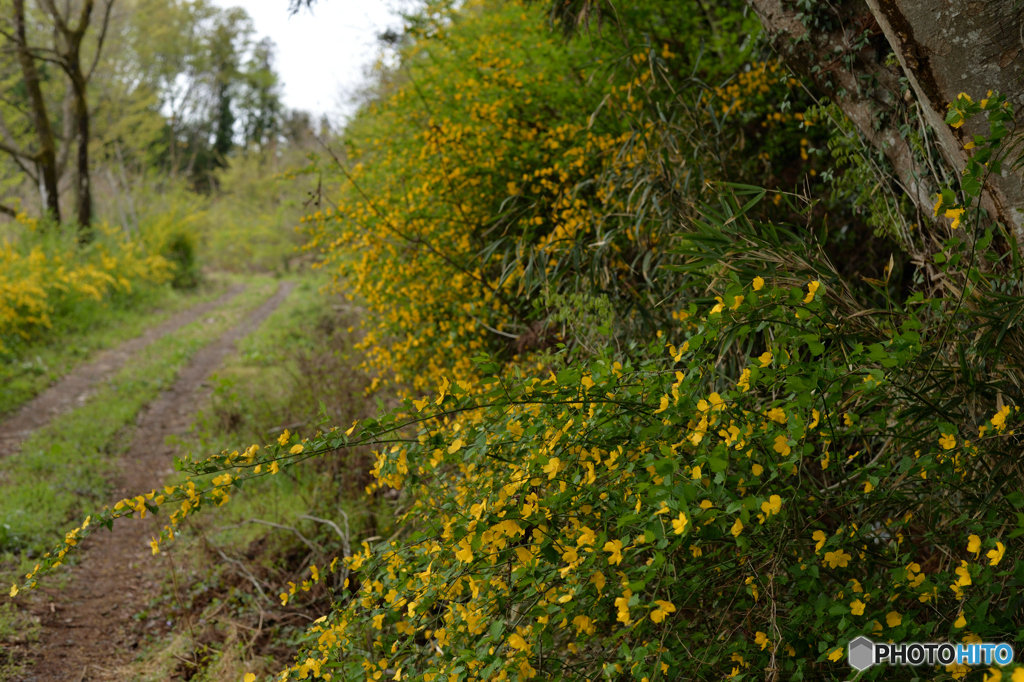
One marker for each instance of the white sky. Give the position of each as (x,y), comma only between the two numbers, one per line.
(321,53)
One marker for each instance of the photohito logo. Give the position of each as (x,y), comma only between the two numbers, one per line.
(863,653)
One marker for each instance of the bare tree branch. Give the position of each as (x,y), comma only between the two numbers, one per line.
(100,40)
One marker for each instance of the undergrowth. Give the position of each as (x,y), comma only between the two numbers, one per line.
(90,327)
(291,374)
(66,469)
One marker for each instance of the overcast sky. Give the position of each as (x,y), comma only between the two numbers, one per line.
(321,53)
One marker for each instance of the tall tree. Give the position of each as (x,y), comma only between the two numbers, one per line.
(38,162)
(260,101)
(67,28)
(68,34)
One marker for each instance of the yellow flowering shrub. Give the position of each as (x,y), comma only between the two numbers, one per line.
(497,173)
(794,459)
(766,486)
(42,277)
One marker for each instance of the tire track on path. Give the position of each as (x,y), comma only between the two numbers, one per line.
(76,386)
(88,626)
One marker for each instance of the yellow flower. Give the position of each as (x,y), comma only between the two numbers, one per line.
(996,555)
(812,288)
(947,441)
(777,414)
(938,205)
(819,537)
(456,446)
(757,469)
(696,474)
(442,390)
(955,214)
(296,449)
(465,554)
(963,570)
(744,380)
(772,506)
(551,468)
(14,590)
(758,283)
(679,525)
(960,621)
(155,545)
(839,558)
(974,545)
(664,608)
(762,639)
(663,406)
(249,677)
(857,607)
(766,358)
(782,445)
(999,419)
(893,619)
(615,547)
(736,303)
(737,528)
(836,654)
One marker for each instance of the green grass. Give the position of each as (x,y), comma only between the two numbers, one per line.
(85,330)
(297,363)
(63,471)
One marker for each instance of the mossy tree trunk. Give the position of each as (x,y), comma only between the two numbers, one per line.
(859,52)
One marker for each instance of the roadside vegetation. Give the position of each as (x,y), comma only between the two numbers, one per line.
(625,344)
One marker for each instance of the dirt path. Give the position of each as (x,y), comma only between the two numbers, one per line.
(88,627)
(76,387)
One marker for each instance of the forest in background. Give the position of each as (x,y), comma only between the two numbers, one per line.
(634,341)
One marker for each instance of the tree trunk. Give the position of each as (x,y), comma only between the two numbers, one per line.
(71,60)
(942,47)
(46,157)
(946,47)
(83,189)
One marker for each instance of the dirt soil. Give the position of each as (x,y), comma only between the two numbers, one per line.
(75,388)
(89,627)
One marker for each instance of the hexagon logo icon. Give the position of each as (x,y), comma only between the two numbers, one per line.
(861,653)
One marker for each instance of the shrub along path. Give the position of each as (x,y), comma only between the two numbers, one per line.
(74,388)
(89,627)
